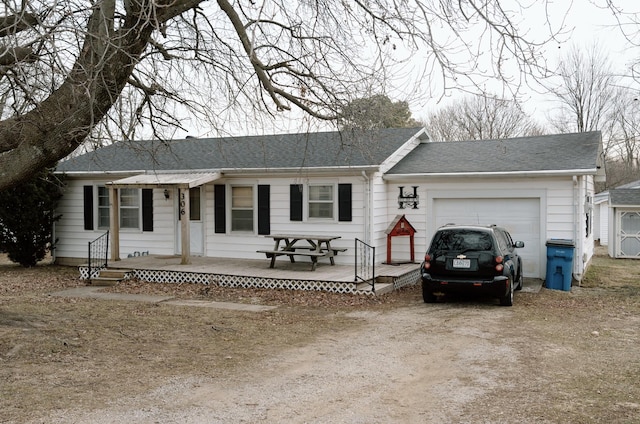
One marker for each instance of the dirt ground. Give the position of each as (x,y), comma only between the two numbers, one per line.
(554,357)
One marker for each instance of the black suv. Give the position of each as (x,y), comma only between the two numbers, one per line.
(472,258)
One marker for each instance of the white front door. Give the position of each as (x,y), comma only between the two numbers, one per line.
(196,223)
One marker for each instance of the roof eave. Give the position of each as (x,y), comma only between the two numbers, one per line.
(229,171)
(549,173)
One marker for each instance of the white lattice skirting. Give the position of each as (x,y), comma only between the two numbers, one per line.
(236,281)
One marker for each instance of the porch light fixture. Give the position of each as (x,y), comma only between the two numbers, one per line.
(166,194)
(407,199)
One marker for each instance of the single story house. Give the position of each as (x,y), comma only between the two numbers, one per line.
(236,190)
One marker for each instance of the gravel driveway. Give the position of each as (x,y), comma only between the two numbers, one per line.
(414,364)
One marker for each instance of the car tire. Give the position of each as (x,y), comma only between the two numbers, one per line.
(520,279)
(427,295)
(507,300)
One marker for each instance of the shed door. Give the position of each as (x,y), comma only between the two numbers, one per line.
(629,234)
(520,216)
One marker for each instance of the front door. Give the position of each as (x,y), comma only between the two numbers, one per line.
(196,223)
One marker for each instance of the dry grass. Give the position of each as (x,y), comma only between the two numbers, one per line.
(61,352)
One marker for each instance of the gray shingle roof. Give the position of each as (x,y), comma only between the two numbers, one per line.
(312,150)
(625,197)
(634,184)
(541,153)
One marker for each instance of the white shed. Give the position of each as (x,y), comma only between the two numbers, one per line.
(624,222)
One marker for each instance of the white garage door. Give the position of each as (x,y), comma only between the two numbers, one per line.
(521,217)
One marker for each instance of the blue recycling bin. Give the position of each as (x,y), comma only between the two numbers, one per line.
(559,264)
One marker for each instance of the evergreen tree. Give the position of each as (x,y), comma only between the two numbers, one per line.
(27,214)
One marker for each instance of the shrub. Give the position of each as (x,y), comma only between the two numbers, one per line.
(27,214)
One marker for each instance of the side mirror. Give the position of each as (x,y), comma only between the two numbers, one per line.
(519,244)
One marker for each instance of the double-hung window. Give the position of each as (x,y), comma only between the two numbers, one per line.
(321,201)
(242,208)
(103,207)
(129,208)
(136,208)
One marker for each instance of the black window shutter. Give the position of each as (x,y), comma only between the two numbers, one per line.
(219,209)
(147,209)
(88,207)
(295,202)
(344,202)
(264,211)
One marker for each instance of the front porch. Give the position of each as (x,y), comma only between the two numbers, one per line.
(255,273)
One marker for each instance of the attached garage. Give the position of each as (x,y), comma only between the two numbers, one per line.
(520,216)
(538,188)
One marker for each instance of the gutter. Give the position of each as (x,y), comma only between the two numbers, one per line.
(367,208)
(230,171)
(563,173)
(576,220)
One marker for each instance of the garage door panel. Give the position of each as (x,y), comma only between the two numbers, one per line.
(521,217)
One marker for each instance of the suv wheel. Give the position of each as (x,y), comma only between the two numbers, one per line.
(507,300)
(520,281)
(427,296)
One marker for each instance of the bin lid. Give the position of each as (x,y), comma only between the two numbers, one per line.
(560,242)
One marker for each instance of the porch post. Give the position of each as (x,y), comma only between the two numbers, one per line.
(114,223)
(185,226)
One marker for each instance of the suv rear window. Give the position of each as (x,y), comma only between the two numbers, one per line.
(461,240)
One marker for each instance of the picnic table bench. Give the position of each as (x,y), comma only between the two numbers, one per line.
(318,246)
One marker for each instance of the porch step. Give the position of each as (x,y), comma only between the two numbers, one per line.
(109,277)
(381,288)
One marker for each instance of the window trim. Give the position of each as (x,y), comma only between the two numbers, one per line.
(253,208)
(96,209)
(334,201)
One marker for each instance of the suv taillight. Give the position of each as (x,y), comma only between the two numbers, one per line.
(427,261)
(499,266)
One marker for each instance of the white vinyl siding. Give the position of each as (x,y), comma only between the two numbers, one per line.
(240,244)
(73,239)
(556,209)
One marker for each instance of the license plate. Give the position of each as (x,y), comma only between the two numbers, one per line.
(461,263)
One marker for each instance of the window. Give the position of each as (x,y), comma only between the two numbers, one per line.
(588,215)
(195,210)
(321,201)
(241,208)
(129,208)
(194,204)
(103,207)
(136,208)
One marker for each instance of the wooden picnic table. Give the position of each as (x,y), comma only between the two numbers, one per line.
(317,246)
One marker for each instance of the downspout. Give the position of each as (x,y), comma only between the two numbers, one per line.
(367,200)
(576,227)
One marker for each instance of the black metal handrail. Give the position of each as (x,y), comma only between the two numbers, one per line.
(98,255)
(366,264)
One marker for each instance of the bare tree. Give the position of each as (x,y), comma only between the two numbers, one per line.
(593,96)
(622,142)
(64,64)
(586,91)
(481,118)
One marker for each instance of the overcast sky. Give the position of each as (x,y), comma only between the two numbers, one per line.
(583,23)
